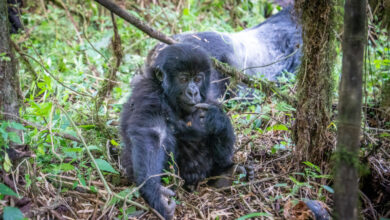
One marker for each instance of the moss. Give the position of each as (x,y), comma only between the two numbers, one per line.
(319,20)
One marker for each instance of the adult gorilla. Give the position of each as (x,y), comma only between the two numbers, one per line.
(169,112)
(251,50)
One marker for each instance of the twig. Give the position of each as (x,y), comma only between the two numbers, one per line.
(54,77)
(378,129)
(197,210)
(73,11)
(252,82)
(246,184)
(72,21)
(25,61)
(270,64)
(50,124)
(108,84)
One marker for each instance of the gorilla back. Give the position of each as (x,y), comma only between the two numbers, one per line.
(170,113)
(251,50)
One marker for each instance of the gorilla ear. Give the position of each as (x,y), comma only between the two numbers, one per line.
(158,74)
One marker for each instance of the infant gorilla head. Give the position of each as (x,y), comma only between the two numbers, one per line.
(185,74)
(169,113)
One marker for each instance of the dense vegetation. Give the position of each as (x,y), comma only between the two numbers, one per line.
(66,55)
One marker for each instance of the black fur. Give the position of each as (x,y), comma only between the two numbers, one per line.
(14,15)
(154,124)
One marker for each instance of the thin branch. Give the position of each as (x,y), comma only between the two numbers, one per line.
(54,77)
(272,63)
(246,184)
(108,83)
(257,83)
(71,20)
(73,11)
(114,8)
(25,61)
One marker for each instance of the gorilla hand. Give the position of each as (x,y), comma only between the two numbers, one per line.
(226,179)
(167,202)
(203,108)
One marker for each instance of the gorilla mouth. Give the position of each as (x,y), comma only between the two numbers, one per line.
(189,107)
(190,103)
(187,102)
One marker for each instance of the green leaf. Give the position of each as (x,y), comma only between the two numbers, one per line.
(278,127)
(14,137)
(384,135)
(72,150)
(93,147)
(105,166)
(114,143)
(309,164)
(124,193)
(186,11)
(255,214)
(66,167)
(281,185)
(165,180)
(12,213)
(82,181)
(328,188)
(4,133)
(5,190)
(17,126)
(7,164)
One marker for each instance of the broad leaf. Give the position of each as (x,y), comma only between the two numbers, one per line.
(105,166)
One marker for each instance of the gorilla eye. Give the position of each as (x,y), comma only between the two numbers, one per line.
(198,78)
(183,79)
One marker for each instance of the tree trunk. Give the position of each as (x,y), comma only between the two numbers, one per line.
(314,81)
(9,81)
(385,100)
(350,104)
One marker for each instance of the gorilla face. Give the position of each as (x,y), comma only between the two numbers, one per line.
(184,71)
(190,86)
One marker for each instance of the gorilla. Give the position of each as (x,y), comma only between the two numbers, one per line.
(14,15)
(172,118)
(170,113)
(251,50)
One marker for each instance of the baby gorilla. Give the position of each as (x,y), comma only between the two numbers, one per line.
(170,113)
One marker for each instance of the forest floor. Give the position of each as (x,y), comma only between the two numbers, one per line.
(277,191)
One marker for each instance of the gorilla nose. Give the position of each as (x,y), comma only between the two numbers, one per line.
(192,94)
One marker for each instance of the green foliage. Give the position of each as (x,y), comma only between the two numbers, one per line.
(105,166)
(311,175)
(12,213)
(255,214)
(64,66)
(5,190)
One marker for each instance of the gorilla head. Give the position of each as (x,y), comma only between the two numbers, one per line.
(184,70)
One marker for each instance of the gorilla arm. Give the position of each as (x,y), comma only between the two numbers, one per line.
(222,144)
(150,146)
(220,130)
